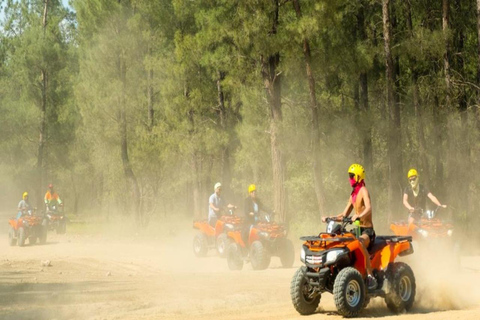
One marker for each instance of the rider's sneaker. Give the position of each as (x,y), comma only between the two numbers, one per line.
(371,282)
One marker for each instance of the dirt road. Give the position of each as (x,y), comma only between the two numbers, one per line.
(100,277)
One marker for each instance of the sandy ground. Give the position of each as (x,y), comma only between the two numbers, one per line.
(100,277)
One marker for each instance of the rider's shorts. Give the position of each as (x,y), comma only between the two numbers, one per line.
(370,233)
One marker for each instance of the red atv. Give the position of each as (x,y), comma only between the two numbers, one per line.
(29,226)
(335,263)
(209,237)
(265,239)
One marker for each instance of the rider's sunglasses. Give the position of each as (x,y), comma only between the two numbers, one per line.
(412,178)
(351,175)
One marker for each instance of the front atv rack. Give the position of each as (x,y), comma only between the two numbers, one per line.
(317,238)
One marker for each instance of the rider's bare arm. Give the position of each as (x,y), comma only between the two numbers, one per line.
(435,200)
(406,204)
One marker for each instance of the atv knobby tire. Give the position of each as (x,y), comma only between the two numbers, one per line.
(349,292)
(234,257)
(402,287)
(200,245)
(11,237)
(259,256)
(304,299)
(287,253)
(21,236)
(223,241)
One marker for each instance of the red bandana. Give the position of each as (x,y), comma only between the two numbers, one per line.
(356,189)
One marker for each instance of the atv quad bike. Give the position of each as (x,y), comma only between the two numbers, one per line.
(428,230)
(56,218)
(209,237)
(335,263)
(425,226)
(265,239)
(29,226)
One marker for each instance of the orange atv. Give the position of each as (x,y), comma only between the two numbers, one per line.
(57,219)
(334,263)
(265,239)
(429,229)
(425,226)
(210,237)
(29,226)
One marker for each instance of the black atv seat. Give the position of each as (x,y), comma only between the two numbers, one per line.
(377,245)
(381,241)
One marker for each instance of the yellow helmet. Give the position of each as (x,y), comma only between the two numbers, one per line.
(411,173)
(357,171)
(251,188)
(25,194)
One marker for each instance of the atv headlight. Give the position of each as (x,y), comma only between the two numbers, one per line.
(333,255)
(424,233)
(450,232)
(302,255)
(263,234)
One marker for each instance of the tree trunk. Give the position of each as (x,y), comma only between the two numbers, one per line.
(42,139)
(195,163)
(150,100)
(394,131)
(446,55)
(225,150)
(272,82)
(477,108)
(43,120)
(418,105)
(363,97)
(464,161)
(315,134)
(131,179)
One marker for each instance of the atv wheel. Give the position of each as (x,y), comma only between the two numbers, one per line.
(11,237)
(304,298)
(287,253)
(21,237)
(223,241)
(402,287)
(32,240)
(43,232)
(234,257)
(349,292)
(200,245)
(259,256)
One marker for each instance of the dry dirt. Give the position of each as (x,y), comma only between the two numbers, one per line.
(109,277)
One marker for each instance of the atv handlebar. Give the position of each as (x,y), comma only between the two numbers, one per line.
(345,220)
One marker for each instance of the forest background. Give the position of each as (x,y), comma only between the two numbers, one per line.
(136,108)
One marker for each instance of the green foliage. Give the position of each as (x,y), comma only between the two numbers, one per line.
(111,60)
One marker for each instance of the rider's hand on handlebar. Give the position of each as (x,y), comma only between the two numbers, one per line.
(411,210)
(324,219)
(354,217)
(443,206)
